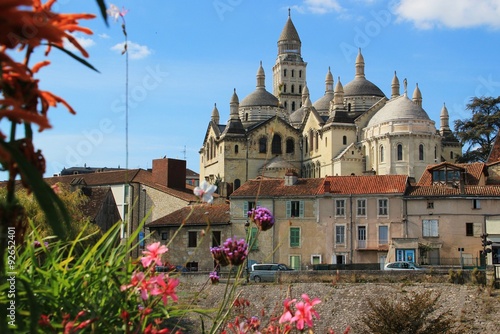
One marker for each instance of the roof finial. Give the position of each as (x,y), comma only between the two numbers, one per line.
(288,11)
(405,85)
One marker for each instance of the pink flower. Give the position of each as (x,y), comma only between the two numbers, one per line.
(236,250)
(205,191)
(138,281)
(262,217)
(153,254)
(304,312)
(214,277)
(165,286)
(287,314)
(115,12)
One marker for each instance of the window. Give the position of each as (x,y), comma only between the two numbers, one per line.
(430,205)
(253,241)
(248,206)
(300,73)
(284,72)
(216,238)
(316,141)
(315,259)
(294,236)
(340,234)
(164,235)
(383,207)
(284,88)
(293,87)
(192,239)
(430,228)
(344,140)
(276,144)
(293,72)
(361,236)
(263,145)
(399,152)
(383,235)
(237,184)
(235,149)
(340,207)
(294,209)
(295,262)
(476,204)
(469,229)
(361,207)
(381,154)
(293,106)
(421,152)
(290,146)
(451,155)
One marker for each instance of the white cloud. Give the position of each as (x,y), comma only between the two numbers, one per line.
(426,14)
(135,51)
(104,36)
(318,6)
(85,42)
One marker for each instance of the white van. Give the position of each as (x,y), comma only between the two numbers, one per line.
(266,272)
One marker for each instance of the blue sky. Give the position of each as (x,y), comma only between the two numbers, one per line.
(184,56)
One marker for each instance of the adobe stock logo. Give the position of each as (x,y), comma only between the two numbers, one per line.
(223,6)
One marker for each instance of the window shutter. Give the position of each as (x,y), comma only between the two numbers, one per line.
(301,208)
(245,209)
(288,209)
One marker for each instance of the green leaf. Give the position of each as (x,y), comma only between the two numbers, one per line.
(102,7)
(55,212)
(79,59)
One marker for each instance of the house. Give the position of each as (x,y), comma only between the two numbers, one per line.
(190,232)
(449,209)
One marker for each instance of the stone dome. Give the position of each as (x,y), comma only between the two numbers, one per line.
(260,98)
(398,109)
(362,87)
(322,105)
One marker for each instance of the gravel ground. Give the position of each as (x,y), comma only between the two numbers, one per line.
(475,309)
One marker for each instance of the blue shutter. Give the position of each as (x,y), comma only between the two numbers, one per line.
(301,209)
(245,209)
(288,209)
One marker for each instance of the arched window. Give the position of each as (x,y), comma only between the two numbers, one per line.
(237,184)
(381,153)
(293,106)
(236,149)
(300,73)
(399,152)
(286,105)
(293,72)
(246,116)
(300,89)
(435,154)
(344,140)
(306,143)
(311,140)
(284,72)
(263,145)
(293,89)
(290,146)
(276,144)
(451,155)
(316,140)
(348,107)
(326,141)
(421,152)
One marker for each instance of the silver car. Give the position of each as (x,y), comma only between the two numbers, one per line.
(402,265)
(266,272)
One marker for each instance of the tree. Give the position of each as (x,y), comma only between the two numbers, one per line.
(477,134)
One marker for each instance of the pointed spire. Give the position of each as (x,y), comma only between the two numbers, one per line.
(417,96)
(445,118)
(338,94)
(234,105)
(261,77)
(360,65)
(305,94)
(215,114)
(329,82)
(395,86)
(289,40)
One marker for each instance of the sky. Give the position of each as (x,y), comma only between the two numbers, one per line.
(184,56)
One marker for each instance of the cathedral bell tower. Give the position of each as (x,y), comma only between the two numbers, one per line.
(289,72)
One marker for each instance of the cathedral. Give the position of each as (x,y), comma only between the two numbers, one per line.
(353,129)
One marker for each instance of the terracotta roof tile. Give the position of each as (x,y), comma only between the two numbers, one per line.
(474,172)
(267,187)
(200,215)
(364,184)
(443,190)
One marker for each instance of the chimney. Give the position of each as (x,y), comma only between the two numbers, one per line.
(291,178)
(326,186)
(170,172)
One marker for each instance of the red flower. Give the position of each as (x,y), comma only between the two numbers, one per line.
(165,286)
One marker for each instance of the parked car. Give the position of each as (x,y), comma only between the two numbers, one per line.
(402,265)
(266,272)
